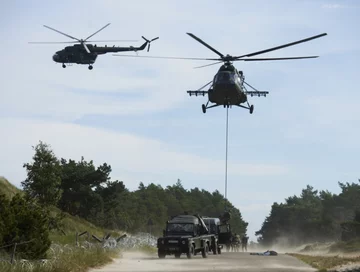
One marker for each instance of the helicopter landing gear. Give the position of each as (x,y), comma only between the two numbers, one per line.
(203,108)
(251,109)
(63,66)
(90,67)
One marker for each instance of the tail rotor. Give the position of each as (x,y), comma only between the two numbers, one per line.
(149,41)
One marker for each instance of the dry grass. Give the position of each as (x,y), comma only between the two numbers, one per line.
(7,188)
(65,259)
(325,262)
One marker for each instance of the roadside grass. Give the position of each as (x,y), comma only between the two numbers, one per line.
(346,247)
(322,263)
(7,188)
(72,225)
(63,254)
(65,259)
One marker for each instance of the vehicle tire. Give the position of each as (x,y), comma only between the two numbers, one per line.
(205,251)
(191,252)
(161,254)
(177,255)
(215,248)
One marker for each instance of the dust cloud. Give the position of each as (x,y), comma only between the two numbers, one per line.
(236,261)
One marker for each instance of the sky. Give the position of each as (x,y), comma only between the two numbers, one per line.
(135,114)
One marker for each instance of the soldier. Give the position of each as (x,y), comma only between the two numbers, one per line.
(244,242)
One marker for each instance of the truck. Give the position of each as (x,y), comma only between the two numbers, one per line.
(221,229)
(185,234)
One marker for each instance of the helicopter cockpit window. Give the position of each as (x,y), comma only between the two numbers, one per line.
(225,77)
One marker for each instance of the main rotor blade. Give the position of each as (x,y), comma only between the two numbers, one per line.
(86,48)
(205,44)
(158,57)
(71,37)
(97,31)
(51,42)
(208,65)
(281,46)
(289,58)
(114,41)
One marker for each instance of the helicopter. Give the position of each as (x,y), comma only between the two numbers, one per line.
(228,87)
(82,53)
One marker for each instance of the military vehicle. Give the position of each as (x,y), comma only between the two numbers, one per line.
(186,234)
(220,227)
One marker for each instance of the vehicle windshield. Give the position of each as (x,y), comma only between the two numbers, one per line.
(212,227)
(180,227)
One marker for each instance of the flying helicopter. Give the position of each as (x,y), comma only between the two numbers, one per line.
(228,87)
(82,53)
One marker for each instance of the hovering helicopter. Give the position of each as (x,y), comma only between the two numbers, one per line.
(83,53)
(228,85)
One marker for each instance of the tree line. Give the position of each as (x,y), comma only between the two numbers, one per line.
(82,189)
(314,216)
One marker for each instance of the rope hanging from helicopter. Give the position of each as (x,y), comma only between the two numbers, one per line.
(226,153)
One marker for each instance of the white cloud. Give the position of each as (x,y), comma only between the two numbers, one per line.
(125,152)
(332,6)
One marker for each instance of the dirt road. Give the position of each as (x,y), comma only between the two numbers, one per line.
(225,262)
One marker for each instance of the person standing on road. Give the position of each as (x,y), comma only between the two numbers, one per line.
(244,242)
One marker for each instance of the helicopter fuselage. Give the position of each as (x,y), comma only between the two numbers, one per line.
(227,87)
(77,53)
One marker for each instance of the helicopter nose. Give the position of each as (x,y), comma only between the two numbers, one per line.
(55,57)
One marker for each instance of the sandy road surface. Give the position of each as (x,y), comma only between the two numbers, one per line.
(224,262)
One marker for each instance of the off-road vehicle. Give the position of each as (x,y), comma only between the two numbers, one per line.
(185,234)
(221,229)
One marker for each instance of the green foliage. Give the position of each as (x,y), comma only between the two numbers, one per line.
(82,189)
(22,220)
(43,176)
(314,217)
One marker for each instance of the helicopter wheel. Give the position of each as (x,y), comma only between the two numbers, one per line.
(63,66)
(203,108)
(251,109)
(90,67)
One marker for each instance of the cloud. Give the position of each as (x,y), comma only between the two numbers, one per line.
(332,6)
(126,152)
